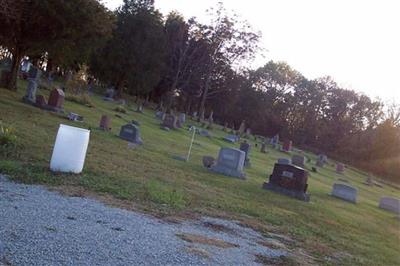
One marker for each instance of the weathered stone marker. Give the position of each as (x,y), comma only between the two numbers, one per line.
(298,160)
(321,160)
(131,133)
(339,168)
(33,79)
(169,121)
(390,204)
(289,180)
(246,148)
(105,123)
(284,161)
(263,147)
(230,162)
(345,192)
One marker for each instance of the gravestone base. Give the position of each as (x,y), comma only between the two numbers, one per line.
(220,169)
(43,106)
(291,193)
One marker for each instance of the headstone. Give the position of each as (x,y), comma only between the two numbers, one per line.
(244,146)
(194,115)
(56,100)
(345,192)
(131,133)
(205,133)
(321,160)
(287,146)
(230,162)
(41,101)
(289,180)
(208,161)
(105,123)
(298,160)
(33,79)
(275,141)
(339,168)
(390,204)
(242,128)
(139,108)
(263,147)
(231,138)
(248,133)
(182,118)
(110,93)
(284,161)
(169,121)
(160,115)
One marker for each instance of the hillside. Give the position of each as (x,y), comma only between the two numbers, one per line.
(147,178)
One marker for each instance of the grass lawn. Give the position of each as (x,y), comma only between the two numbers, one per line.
(330,230)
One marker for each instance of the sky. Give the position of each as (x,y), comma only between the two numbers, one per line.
(356,42)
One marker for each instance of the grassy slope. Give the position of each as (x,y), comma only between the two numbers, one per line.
(326,226)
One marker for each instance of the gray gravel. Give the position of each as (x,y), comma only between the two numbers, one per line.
(39,227)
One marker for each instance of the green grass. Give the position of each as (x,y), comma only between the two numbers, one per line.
(148,176)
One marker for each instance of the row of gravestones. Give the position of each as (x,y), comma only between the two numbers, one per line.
(287,178)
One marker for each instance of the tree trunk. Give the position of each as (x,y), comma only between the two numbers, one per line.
(12,82)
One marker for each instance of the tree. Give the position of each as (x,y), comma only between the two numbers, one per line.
(134,57)
(229,42)
(37,26)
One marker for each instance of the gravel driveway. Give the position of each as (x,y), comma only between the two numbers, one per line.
(39,227)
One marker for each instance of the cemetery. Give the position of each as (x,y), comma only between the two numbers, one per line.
(286,186)
(152,137)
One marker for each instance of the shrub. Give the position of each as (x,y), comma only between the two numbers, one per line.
(8,140)
(83,99)
(120,109)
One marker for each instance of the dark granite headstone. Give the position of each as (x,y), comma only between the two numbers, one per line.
(287,146)
(41,101)
(130,133)
(263,147)
(339,168)
(290,180)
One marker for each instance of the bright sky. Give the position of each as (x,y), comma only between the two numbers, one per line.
(357,42)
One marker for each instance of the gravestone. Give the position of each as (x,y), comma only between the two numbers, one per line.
(131,133)
(33,79)
(390,204)
(41,101)
(287,146)
(169,121)
(263,147)
(194,115)
(56,100)
(244,146)
(321,160)
(242,128)
(231,138)
(289,180)
(205,133)
(110,93)
(230,162)
(105,123)
(339,168)
(225,126)
(284,161)
(139,108)
(345,192)
(298,160)
(160,115)
(275,141)
(182,119)
(248,132)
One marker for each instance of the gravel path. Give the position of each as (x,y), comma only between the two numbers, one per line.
(39,227)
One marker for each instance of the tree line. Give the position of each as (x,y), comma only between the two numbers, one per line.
(191,67)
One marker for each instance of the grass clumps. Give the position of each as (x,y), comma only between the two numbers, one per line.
(83,99)
(160,193)
(120,109)
(8,140)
